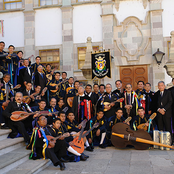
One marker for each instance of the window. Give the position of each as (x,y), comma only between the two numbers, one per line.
(12,4)
(82,54)
(50,56)
(49,2)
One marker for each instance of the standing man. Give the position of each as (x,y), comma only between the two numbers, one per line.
(163,102)
(34,66)
(119,91)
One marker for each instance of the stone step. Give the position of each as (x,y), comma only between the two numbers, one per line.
(30,167)
(4,133)
(12,159)
(8,144)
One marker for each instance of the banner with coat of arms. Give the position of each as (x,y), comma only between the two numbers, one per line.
(101,64)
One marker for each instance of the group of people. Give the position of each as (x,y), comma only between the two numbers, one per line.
(61,107)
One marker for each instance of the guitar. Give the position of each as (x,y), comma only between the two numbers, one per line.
(70,101)
(68,89)
(27,99)
(55,85)
(108,104)
(78,143)
(22,115)
(128,119)
(143,126)
(50,76)
(53,139)
(16,87)
(93,127)
(7,93)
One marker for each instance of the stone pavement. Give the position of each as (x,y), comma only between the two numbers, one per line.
(118,161)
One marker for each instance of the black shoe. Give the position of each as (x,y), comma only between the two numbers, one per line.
(89,149)
(83,158)
(92,147)
(64,160)
(4,126)
(62,166)
(102,146)
(86,156)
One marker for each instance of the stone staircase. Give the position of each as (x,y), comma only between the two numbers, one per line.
(14,158)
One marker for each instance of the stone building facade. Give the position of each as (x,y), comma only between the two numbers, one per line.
(133,30)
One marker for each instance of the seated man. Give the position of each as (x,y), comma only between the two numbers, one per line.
(39,144)
(18,126)
(52,108)
(61,106)
(98,134)
(41,107)
(72,125)
(55,132)
(141,118)
(117,118)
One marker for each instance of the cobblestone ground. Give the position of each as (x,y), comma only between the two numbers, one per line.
(118,161)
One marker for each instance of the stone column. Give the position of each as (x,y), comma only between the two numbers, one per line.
(67,37)
(29,29)
(158,72)
(108,35)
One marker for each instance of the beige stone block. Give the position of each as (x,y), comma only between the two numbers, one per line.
(67,26)
(157,25)
(29,41)
(156,19)
(107,29)
(66,32)
(28,1)
(156,31)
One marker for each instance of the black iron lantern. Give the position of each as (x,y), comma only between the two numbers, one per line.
(158,56)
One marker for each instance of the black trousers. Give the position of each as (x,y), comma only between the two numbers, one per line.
(164,123)
(21,127)
(54,154)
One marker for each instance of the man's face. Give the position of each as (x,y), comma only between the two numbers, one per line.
(18,97)
(161,86)
(71,116)
(62,117)
(42,121)
(108,89)
(96,88)
(28,86)
(57,76)
(42,105)
(53,102)
(64,75)
(119,113)
(7,78)
(20,55)
(141,112)
(128,88)
(48,68)
(11,49)
(40,68)
(37,89)
(57,124)
(102,89)
(81,90)
(118,85)
(60,103)
(100,115)
(88,89)
(140,85)
(76,85)
(71,80)
(26,62)
(147,87)
(37,60)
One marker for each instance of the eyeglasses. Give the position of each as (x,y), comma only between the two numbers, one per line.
(43,119)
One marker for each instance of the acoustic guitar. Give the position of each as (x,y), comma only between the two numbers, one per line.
(53,139)
(143,126)
(22,115)
(78,143)
(55,85)
(70,101)
(109,104)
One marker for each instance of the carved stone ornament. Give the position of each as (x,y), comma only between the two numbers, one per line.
(117,3)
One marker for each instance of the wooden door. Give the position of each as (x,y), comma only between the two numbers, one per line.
(133,74)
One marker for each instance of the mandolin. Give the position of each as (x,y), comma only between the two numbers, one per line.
(27,99)
(143,126)
(108,104)
(50,76)
(55,85)
(16,87)
(70,101)
(22,115)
